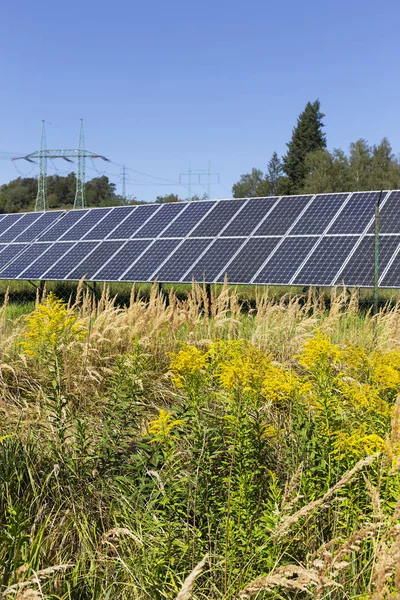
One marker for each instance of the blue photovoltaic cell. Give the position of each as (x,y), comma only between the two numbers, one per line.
(183,225)
(38,227)
(70,260)
(127,229)
(250,258)
(14,231)
(151,259)
(392,277)
(82,227)
(285,261)
(214,260)
(182,259)
(248,218)
(9,220)
(319,214)
(360,268)
(389,215)
(219,217)
(110,222)
(39,266)
(122,260)
(95,260)
(9,253)
(356,214)
(18,264)
(60,227)
(326,260)
(283,215)
(160,220)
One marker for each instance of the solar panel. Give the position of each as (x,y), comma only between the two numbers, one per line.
(356,214)
(19,226)
(250,258)
(107,225)
(9,220)
(30,254)
(325,261)
(84,225)
(285,261)
(149,261)
(70,260)
(160,220)
(359,270)
(63,225)
(392,276)
(9,253)
(39,226)
(186,221)
(389,214)
(121,260)
(130,225)
(37,268)
(319,214)
(95,260)
(218,219)
(250,217)
(284,215)
(182,259)
(292,240)
(212,262)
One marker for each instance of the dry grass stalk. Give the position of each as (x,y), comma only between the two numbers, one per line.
(289,577)
(290,486)
(375,500)
(187,587)
(29,594)
(284,527)
(387,565)
(43,574)
(113,535)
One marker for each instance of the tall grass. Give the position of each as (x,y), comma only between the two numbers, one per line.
(177,447)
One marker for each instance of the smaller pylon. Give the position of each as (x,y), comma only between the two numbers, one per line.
(80,201)
(124,182)
(41,198)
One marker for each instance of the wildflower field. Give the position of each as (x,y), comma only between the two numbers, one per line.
(176,448)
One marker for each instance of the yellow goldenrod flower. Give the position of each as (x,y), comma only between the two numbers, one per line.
(164,427)
(319,352)
(51,327)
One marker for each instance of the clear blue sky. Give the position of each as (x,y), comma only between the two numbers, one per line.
(161,83)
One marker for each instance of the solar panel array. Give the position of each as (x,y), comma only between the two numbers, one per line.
(323,239)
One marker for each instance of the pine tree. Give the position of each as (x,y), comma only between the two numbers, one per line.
(274,173)
(307,137)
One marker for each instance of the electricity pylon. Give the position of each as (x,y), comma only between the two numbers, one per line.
(195,178)
(79,154)
(124,182)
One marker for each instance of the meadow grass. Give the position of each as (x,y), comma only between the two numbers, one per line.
(165,446)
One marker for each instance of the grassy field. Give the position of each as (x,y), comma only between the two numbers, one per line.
(159,446)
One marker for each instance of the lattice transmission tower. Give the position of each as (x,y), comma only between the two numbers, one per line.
(79,154)
(190,178)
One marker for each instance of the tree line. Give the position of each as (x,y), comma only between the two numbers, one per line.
(20,194)
(307,167)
